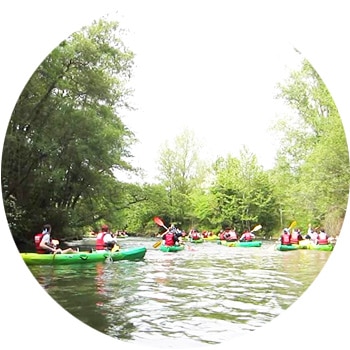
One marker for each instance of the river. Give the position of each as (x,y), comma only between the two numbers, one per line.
(205,294)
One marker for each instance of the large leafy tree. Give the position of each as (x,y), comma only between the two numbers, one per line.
(65,136)
(181,172)
(313,154)
(243,192)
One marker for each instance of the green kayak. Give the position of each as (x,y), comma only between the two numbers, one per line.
(241,244)
(286,247)
(324,247)
(172,248)
(200,240)
(83,257)
(310,246)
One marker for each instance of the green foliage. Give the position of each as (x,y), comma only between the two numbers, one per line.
(314,158)
(181,173)
(66,139)
(243,192)
(65,136)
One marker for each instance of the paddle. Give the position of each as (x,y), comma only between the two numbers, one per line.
(159,222)
(256,228)
(115,248)
(157,244)
(292,225)
(55,242)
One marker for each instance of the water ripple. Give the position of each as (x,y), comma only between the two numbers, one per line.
(197,297)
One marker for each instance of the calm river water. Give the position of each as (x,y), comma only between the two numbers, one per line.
(206,294)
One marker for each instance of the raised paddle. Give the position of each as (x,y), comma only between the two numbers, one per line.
(292,225)
(256,228)
(159,222)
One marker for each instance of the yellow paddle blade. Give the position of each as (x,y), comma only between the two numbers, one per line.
(157,244)
(256,228)
(115,248)
(292,225)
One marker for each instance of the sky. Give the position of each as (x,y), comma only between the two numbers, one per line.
(205,72)
(319,29)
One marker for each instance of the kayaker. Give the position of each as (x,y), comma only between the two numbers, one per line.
(296,236)
(313,236)
(221,235)
(105,240)
(194,234)
(285,237)
(44,244)
(247,236)
(322,237)
(308,233)
(169,237)
(231,235)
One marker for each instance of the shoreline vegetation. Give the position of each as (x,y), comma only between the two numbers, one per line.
(56,170)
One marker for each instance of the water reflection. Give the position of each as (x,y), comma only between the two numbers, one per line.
(191,298)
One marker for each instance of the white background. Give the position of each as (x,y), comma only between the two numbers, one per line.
(31,29)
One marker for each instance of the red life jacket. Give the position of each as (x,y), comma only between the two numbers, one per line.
(100,244)
(294,239)
(322,238)
(169,239)
(195,235)
(37,240)
(285,238)
(231,236)
(247,236)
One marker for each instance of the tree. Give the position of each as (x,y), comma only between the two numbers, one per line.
(313,154)
(65,135)
(243,192)
(181,171)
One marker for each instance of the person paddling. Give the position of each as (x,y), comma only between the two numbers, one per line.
(285,237)
(169,237)
(296,236)
(44,244)
(322,237)
(105,240)
(231,235)
(247,236)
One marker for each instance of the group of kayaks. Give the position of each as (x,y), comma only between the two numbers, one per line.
(176,248)
(138,253)
(305,244)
